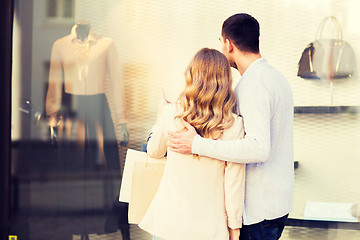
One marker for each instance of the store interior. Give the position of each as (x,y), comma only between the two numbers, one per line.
(153,43)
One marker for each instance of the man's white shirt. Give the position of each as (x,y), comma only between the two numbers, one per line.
(265,101)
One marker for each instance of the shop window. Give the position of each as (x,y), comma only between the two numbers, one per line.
(60,9)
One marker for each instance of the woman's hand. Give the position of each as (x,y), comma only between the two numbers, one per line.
(234,234)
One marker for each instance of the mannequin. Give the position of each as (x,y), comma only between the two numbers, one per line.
(80,115)
(82,30)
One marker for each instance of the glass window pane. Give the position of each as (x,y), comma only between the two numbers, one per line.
(85,92)
(52,8)
(68,8)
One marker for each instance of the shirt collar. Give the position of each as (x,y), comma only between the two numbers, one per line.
(91,38)
(253,66)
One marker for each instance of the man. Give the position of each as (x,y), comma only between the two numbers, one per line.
(265,102)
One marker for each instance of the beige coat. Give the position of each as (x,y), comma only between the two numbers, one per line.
(198,198)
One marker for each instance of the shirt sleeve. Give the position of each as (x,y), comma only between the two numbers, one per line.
(115,74)
(54,93)
(254,107)
(234,186)
(156,146)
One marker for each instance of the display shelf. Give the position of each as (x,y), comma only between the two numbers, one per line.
(326,109)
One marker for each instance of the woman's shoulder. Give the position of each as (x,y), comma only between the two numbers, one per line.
(237,117)
(236,130)
(238,123)
(168,111)
(168,116)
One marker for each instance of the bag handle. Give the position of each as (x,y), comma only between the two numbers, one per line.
(322,25)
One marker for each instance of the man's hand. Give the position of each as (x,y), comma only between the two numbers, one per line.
(234,234)
(181,142)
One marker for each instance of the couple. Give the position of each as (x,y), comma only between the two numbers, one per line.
(206,193)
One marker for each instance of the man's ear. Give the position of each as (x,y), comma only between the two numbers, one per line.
(229,45)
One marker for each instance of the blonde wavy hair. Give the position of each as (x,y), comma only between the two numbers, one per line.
(208,101)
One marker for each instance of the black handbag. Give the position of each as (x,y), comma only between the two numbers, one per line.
(327,58)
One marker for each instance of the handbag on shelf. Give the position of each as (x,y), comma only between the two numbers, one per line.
(141,179)
(329,58)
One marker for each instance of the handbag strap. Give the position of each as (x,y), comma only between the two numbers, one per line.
(335,22)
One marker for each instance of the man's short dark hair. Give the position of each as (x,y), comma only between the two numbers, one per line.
(244,31)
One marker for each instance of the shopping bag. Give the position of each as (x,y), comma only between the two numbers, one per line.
(145,182)
(125,188)
(141,178)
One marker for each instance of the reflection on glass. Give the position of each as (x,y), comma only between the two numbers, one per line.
(34,113)
(81,124)
(68,8)
(154,50)
(51,8)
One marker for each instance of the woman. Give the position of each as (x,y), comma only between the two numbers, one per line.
(198,198)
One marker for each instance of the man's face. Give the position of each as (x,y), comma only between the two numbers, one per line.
(225,50)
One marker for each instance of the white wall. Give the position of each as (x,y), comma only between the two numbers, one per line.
(156,39)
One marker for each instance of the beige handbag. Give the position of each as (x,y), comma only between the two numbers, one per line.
(141,179)
(327,58)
